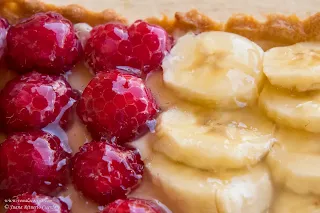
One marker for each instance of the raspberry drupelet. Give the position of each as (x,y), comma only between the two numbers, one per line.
(45,42)
(141,46)
(104,172)
(117,107)
(134,205)
(35,100)
(32,162)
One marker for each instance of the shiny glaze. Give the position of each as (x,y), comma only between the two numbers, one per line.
(54,55)
(33,161)
(77,136)
(35,100)
(223,62)
(134,206)
(108,171)
(3,33)
(116,107)
(141,46)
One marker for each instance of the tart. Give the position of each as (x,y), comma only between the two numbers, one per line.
(162,115)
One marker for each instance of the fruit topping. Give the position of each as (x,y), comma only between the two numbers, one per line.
(133,205)
(218,140)
(215,69)
(193,190)
(294,67)
(32,162)
(117,107)
(35,203)
(290,108)
(34,100)
(46,42)
(4,23)
(293,161)
(141,46)
(3,34)
(105,172)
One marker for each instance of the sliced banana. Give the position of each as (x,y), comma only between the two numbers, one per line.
(294,67)
(215,69)
(165,98)
(293,109)
(197,191)
(294,160)
(286,202)
(232,139)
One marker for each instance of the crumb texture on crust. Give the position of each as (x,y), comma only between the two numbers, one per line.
(14,10)
(276,30)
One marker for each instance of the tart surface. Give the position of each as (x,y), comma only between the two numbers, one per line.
(234,173)
(276,30)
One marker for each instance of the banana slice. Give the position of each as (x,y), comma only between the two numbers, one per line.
(293,109)
(215,69)
(197,191)
(294,67)
(294,160)
(165,98)
(232,139)
(287,202)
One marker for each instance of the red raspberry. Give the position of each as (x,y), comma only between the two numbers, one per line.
(133,205)
(105,172)
(3,34)
(116,106)
(46,42)
(34,100)
(36,203)
(32,162)
(141,46)
(4,23)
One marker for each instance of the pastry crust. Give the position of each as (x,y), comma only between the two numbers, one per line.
(276,30)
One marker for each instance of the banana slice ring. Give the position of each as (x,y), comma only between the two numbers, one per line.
(295,67)
(220,140)
(286,202)
(293,109)
(196,191)
(215,69)
(293,160)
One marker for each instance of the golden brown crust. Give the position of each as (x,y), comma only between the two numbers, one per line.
(17,9)
(276,30)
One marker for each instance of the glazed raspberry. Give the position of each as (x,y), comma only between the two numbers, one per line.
(46,42)
(141,46)
(32,162)
(3,34)
(34,100)
(105,172)
(133,205)
(36,203)
(116,107)
(4,23)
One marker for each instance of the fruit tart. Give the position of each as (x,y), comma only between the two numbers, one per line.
(183,114)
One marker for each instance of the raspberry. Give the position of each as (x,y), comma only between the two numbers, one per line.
(36,203)
(116,107)
(133,205)
(3,34)
(32,162)
(105,172)
(4,23)
(45,42)
(34,100)
(141,46)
